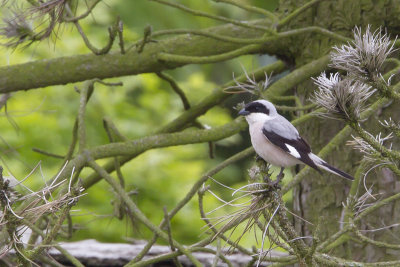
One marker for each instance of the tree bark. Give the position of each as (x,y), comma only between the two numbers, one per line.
(322,196)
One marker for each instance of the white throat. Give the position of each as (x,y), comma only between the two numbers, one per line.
(257,118)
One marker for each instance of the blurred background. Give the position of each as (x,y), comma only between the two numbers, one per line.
(43,118)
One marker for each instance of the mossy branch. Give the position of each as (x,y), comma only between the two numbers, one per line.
(338,238)
(385,152)
(51,235)
(176,58)
(181,59)
(164,140)
(263,40)
(138,146)
(77,68)
(374,242)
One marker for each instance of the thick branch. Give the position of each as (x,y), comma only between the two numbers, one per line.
(138,146)
(164,140)
(78,68)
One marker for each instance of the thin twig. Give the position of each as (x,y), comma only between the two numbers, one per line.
(176,88)
(296,13)
(211,16)
(47,153)
(171,243)
(250,8)
(102,51)
(83,15)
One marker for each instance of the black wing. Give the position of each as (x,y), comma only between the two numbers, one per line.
(300,146)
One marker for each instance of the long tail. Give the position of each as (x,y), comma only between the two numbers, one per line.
(322,164)
(336,171)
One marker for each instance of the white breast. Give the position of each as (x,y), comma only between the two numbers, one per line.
(268,151)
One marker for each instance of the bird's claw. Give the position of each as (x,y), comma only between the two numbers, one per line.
(275,184)
(280,177)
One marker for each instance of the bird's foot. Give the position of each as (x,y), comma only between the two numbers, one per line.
(276,183)
(280,176)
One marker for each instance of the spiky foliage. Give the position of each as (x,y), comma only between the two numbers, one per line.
(367,149)
(365,55)
(257,214)
(250,86)
(391,126)
(16,29)
(343,99)
(358,204)
(22,209)
(19,27)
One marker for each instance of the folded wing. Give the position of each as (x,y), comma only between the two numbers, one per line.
(296,146)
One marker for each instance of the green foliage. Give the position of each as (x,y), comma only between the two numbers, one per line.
(44,119)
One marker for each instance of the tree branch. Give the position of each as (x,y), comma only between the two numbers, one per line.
(78,68)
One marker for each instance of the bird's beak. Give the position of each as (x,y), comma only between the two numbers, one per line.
(243,112)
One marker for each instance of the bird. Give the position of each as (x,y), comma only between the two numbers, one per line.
(278,142)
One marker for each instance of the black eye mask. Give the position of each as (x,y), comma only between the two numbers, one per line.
(256,107)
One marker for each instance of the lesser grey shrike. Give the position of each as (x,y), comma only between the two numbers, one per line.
(278,142)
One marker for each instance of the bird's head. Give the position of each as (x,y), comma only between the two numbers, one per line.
(258,111)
